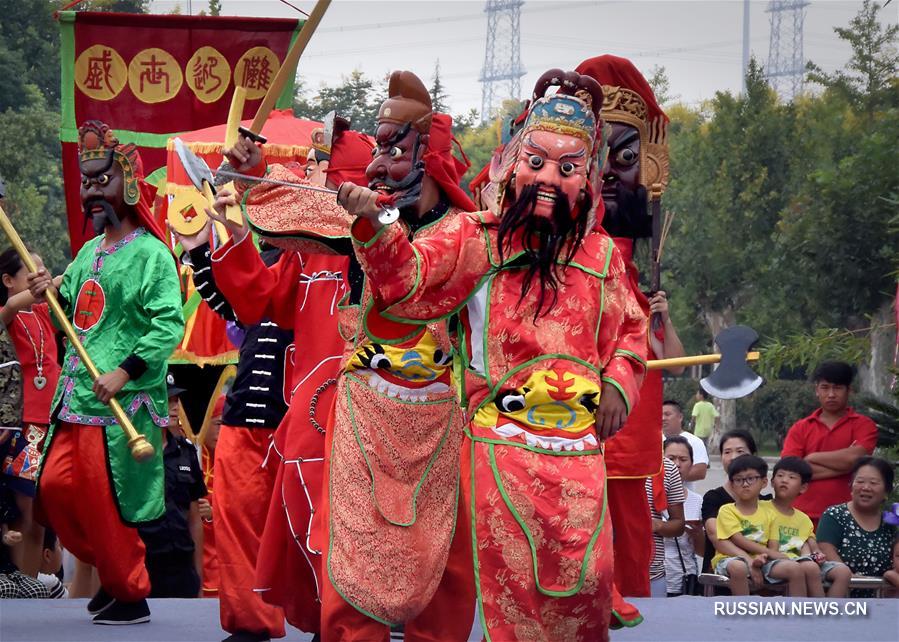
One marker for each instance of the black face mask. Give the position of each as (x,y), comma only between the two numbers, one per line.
(544,241)
(101,220)
(631,219)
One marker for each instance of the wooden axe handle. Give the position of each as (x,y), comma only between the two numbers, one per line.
(289,66)
(140,448)
(698,360)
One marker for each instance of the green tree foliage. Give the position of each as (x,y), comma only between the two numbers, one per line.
(438,91)
(869,80)
(729,181)
(31,170)
(661,85)
(119,6)
(356,98)
(29,51)
(773,408)
(215,7)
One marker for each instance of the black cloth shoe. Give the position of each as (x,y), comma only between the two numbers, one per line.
(100,602)
(124,613)
(246,636)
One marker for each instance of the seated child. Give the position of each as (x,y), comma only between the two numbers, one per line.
(14,584)
(51,565)
(793,554)
(892,575)
(741,548)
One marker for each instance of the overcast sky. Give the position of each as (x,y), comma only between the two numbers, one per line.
(698,42)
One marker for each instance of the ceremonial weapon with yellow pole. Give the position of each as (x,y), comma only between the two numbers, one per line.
(140,447)
(733,378)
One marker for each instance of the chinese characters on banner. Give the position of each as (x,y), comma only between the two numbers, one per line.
(152,77)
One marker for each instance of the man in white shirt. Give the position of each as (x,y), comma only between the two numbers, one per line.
(673,425)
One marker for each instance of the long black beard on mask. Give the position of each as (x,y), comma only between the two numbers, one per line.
(631,219)
(549,243)
(101,220)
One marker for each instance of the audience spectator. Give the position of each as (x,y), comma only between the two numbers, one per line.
(742,527)
(794,555)
(705,417)
(51,565)
(34,337)
(855,533)
(13,583)
(681,551)
(733,444)
(831,440)
(673,426)
(175,541)
(665,492)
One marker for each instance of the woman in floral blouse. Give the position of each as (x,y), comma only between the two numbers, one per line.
(854,533)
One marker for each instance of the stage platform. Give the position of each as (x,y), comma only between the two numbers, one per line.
(691,619)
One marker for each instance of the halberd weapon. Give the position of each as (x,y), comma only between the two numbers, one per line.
(140,448)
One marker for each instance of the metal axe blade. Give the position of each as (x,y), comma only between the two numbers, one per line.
(196,168)
(733,378)
(2,188)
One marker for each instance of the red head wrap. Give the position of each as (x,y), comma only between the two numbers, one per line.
(350,155)
(621,72)
(443,166)
(95,139)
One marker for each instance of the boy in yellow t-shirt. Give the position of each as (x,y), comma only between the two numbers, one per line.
(741,549)
(794,556)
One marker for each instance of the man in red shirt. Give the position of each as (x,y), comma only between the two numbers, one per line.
(831,440)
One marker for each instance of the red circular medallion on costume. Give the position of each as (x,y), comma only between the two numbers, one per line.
(89,305)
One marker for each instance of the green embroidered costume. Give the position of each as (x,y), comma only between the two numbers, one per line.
(125,302)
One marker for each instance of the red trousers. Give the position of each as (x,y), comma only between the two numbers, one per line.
(242,490)
(448,616)
(76,497)
(632,542)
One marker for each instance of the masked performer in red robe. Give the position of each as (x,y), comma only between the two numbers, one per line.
(388,516)
(638,161)
(553,347)
(278,550)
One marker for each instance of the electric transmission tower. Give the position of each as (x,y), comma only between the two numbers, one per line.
(502,72)
(786,62)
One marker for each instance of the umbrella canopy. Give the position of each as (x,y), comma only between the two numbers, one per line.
(288,137)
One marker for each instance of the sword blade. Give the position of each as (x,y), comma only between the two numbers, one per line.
(258,179)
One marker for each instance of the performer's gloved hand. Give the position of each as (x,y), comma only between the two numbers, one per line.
(612,412)
(38,283)
(108,385)
(223,199)
(360,201)
(244,156)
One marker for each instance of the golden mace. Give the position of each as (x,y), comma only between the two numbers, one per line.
(137,443)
